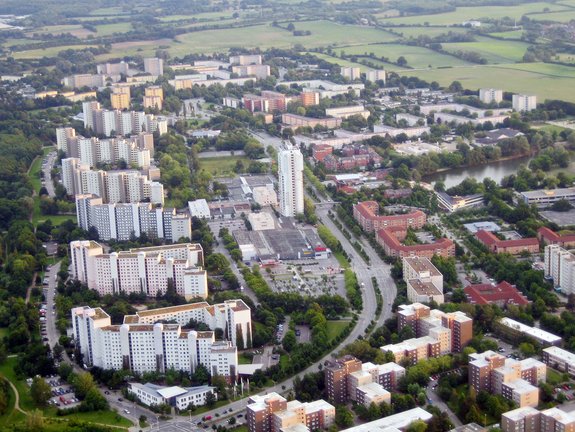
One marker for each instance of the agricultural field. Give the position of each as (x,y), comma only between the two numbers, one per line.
(417,57)
(513,34)
(74,29)
(144,48)
(493,50)
(562,17)
(428,31)
(110,29)
(108,11)
(47,52)
(475,13)
(547,81)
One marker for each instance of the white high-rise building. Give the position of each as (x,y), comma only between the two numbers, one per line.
(523,102)
(290,168)
(560,266)
(62,137)
(154,66)
(488,95)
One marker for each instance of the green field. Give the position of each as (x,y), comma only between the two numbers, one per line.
(107,11)
(565,16)
(493,50)
(47,52)
(265,36)
(334,328)
(462,14)
(109,29)
(513,34)
(222,166)
(547,81)
(428,31)
(417,57)
(338,61)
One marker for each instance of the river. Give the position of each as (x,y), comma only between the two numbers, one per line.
(495,171)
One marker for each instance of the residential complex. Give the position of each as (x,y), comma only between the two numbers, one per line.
(437,333)
(296,121)
(347,379)
(181,398)
(559,359)
(522,102)
(273,413)
(550,237)
(366,214)
(560,266)
(124,221)
(514,380)
(501,294)
(424,281)
(547,197)
(351,73)
(154,66)
(290,172)
(375,75)
(393,423)
(489,95)
(513,247)
(142,347)
(390,239)
(528,419)
(541,336)
(347,111)
(146,270)
(112,186)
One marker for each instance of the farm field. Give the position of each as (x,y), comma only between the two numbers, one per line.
(144,48)
(109,29)
(347,63)
(565,16)
(323,33)
(108,11)
(544,80)
(428,31)
(417,57)
(47,52)
(513,34)
(493,50)
(475,12)
(74,29)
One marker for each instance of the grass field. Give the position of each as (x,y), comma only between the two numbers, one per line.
(334,328)
(475,13)
(74,29)
(493,50)
(564,16)
(222,166)
(347,63)
(513,34)
(47,52)
(108,11)
(547,81)
(109,29)
(265,36)
(417,57)
(428,31)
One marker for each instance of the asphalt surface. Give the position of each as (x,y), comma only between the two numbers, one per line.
(47,169)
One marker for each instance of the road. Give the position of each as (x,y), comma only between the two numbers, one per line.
(51,332)
(47,170)
(438,403)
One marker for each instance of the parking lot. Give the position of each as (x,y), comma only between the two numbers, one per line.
(62,393)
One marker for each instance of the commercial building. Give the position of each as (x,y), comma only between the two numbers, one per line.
(273,413)
(393,423)
(265,195)
(455,203)
(528,419)
(390,239)
(327,88)
(513,247)
(290,172)
(514,380)
(154,66)
(145,270)
(547,197)
(261,221)
(122,221)
(424,281)
(296,121)
(560,266)
(351,73)
(502,294)
(489,95)
(158,347)
(550,237)
(199,209)
(348,111)
(559,359)
(348,379)
(366,214)
(178,397)
(524,103)
(541,336)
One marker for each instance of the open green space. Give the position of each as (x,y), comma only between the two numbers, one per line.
(492,50)
(417,57)
(340,62)
(131,48)
(102,417)
(513,34)
(342,261)
(323,33)
(7,370)
(108,11)
(563,17)
(110,29)
(74,29)
(222,166)
(334,328)
(554,377)
(47,52)
(547,81)
(428,31)
(462,14)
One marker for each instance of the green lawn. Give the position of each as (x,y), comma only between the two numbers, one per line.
(554,377)
(223,166)
(3,332)
(103,417)
(334,328)
(242,359)
(462,14)
(547,81)
(417,57)
(493,50)
(7,370)
(343,263)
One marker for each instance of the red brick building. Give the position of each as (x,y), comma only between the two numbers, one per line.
(366,214)
(320,151)
(513,247)
(548,236)
(501,294)
(390,239)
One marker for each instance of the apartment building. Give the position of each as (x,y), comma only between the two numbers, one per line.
(393,423)
(366,214)
(259,71)
(390,239)
(348,111)
(424,281)
(528,419)
(146,270)
(550,237)
(501,294)
(336,373)
(376,75)
(178,397)
(290,173)
(120,98)
(541,336)
(547,197)
(268,101)
(124,221)
(244,60)
(559,359)
(489,95)
(364,390)
(351,73)
(154,66)
(514,380)
(121,68)
(523,103)
(513,247)
(149,347)
(84,80)
(296,121)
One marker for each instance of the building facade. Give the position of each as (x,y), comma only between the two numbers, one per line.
(366,214)
(290,171)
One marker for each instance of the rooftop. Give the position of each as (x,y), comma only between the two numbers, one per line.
(424,288)
(483,294)
(420,264)
(393,422)
(531,331)
(520,413)
(542,193)
(566,356)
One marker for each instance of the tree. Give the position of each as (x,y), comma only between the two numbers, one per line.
(35,421)
(289,342)
(527,349)
(343,416)
(417,426)
(40,391)
(401,61)
(210,399)
(82,383)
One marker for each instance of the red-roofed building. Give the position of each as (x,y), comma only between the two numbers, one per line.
(390,239)
(501,294)
(346,189)
(513,247)
(320,151)
(548,236)
(365,213)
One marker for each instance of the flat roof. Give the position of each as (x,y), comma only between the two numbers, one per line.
(396,421)
(424,288)
(566,356)
(421,264)
(520,413)
(169,392)
(531,331)
(543,193)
